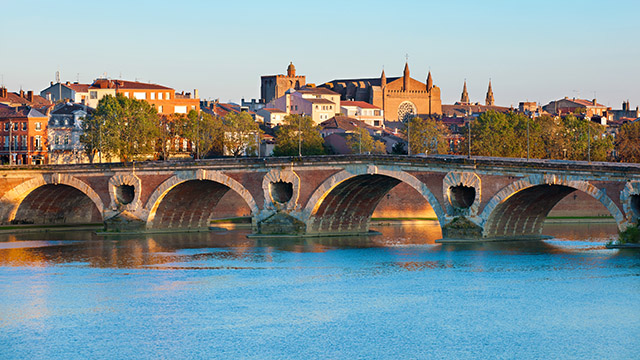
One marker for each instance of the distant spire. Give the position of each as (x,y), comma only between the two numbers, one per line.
(464,99)
(429,81)
(405,79)
(489,101)
(383,78)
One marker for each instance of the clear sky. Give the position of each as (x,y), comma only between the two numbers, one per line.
(534,50)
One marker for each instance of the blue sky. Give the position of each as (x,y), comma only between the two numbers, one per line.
(535,50)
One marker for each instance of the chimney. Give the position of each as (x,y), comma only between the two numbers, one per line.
(3,92)
(22,93)
(67,83)
(196,95)
(30,95)
(51,83)
(594,102)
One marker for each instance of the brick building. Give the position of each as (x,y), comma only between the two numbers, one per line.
(24,135)
(23,98)
(567,106)
(274,86)
(165,99)
(398,97)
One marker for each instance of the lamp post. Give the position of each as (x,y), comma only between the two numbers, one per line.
(589,142)
(300,136)
(10,143)
(469,137)
(408,136)
(527,138)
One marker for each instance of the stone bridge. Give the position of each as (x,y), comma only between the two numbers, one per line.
(473,198)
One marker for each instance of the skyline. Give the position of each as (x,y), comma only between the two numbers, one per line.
(581,49)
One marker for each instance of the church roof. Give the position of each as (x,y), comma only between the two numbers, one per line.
(370,81)
(317,91)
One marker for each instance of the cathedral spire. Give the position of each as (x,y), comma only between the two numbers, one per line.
(405,78)
(489,101)
(383,79)
(464,99)
(429,81)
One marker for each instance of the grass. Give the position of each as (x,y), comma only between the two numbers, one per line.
(402,218)
(234,220)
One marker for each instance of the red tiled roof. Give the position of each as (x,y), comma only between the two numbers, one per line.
(360,104)
(345,123)
(318,91)
(320,101)
(124,84)
(81,88)
(7,112)
(273,110)
(16,99)
(585,102)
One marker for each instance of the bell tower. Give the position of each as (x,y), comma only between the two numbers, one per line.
(489,101)
(464,99)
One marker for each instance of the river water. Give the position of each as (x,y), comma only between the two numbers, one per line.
(398,295)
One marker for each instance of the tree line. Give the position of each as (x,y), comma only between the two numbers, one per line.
(131,129)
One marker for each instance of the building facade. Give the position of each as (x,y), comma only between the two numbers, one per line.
(319,103)
(24,135)
(360,110)
(399,98)
(63,133)
(165,99)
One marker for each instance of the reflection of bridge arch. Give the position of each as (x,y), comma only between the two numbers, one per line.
(345,201)
(522,207)
(52,198)
(189,200)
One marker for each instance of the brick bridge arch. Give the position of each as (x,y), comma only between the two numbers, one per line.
(47,187)
(345,201)
(195,195)
(521,207)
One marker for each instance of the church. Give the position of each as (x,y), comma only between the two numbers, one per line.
(398,97)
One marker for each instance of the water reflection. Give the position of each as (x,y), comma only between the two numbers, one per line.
(126,251)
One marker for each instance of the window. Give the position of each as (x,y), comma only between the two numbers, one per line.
(56,140)
(160,107)
(24,140)
(93,94)
(6,126)
(184,145)
(66,139)
(24,126)
(167,97)
(296,107)
(316,107)
(159,96)
(140,95)
(38,126)
(15,126)
(152,96)
(38,142)
(180,109)
(126,94)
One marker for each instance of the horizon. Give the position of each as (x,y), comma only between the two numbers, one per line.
(531,52)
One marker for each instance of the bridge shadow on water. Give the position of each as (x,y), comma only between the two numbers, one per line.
(233,248)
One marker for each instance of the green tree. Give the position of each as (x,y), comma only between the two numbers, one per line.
(205,132)
(121,126)
(170,128)
(360,141)
(298,130)
(427,136)
(628,142)
(241,134)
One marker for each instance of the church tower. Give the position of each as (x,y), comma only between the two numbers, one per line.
(464,99)
(489,101)
(429,82)
(406,79)
(383,79)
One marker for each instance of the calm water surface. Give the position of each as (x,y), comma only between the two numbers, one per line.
(396,295)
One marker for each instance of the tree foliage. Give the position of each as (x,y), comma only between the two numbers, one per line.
(206,133)
(506,135)
(628,142)
(361,142)
(298,130)
(121,126)
(241,134)
(427,136)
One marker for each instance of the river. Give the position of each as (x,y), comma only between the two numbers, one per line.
(398,295)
